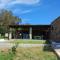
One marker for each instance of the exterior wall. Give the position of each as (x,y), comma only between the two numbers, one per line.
(32,31)
(51,32)
(55,32)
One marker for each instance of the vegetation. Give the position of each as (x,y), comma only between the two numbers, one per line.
(33,53)
(30,41)
(14,48)
(6,19)
(6,55)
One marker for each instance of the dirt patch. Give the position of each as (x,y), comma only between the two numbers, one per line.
(4,50)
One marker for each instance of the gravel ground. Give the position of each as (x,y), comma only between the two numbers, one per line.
(9,45)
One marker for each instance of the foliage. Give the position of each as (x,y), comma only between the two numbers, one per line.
(6,19)
(6,56)
(30,53)
(14,48)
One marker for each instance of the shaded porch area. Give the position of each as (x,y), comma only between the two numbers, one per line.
(40,32)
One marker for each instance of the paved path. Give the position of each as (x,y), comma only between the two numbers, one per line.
(56,47)
(9,45)
(57,52)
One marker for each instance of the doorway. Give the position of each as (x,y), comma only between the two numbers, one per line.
(25,35)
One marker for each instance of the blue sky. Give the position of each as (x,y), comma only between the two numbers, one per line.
(33,11)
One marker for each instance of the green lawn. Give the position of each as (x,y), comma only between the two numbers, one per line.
(30,41)
(35,53)
(1,37)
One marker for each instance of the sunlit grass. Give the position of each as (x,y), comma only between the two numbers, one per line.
(32,53)
(30,41)
(35,53)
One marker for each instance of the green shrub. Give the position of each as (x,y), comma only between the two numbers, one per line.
(14,48)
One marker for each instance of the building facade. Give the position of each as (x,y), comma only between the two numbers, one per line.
(45,32)
(31,31)
(55,32)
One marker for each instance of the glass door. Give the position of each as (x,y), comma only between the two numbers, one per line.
(25,36)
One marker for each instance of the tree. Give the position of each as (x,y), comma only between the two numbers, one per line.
(6,19)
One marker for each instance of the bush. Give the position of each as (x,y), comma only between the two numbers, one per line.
(14,48)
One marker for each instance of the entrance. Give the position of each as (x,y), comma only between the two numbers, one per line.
(25,35)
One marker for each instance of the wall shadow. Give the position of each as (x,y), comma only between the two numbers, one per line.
(48,48)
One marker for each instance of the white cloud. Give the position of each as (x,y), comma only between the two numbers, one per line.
(5,1)
(4,4)
(29,2)
(21,11)
(26,21)
(26,11)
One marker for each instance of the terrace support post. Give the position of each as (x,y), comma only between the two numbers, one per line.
(30,32)
(10,35)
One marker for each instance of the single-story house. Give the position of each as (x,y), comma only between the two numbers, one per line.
(51,31)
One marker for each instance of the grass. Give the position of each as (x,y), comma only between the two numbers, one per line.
(30,41)
(35,53)
(6,55)
(1,37)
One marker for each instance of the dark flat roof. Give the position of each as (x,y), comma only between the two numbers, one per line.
(33,26)
(30,25)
